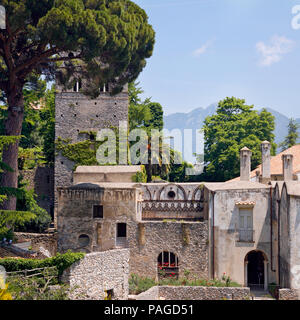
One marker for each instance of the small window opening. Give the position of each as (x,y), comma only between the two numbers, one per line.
(121,230)
(83,240)
(171,194)
(98,211)
(77,86)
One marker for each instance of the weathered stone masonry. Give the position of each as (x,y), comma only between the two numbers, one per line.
(76,113)
(194,293)
(99,272)
(145,239)
(189,241)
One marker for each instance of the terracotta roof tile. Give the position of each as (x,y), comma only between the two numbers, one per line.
(276,162)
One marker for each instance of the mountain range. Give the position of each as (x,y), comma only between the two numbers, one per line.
(195,118)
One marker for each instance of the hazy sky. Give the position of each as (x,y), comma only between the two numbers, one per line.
(207,50)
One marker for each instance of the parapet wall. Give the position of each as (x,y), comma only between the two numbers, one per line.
(288,294)
(194,293)
(39,240)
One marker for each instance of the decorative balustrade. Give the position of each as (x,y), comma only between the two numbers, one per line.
(166,205)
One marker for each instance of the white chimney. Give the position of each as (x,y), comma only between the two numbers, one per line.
(245,158)
(287,164)
(266,162)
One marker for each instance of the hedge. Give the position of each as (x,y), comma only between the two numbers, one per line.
(60,261)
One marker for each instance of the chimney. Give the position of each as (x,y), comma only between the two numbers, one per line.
(266,162)
(245,158)
(287,164)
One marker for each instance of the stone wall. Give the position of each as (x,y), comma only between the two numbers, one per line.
(288,294)
(146,239)
(194,293)
(151,294)
(187,240)
(39,240)
(97,273)
(41,180)
(75,216)
(76,113)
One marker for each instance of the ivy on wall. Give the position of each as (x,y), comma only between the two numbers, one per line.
(82,153)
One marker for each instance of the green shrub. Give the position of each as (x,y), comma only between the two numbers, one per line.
(272,289)
(139,284)
(22,288)
(140,176)
(60,261)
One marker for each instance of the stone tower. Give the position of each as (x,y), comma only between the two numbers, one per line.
(76,113)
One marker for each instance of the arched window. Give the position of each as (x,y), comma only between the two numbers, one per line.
(167,263)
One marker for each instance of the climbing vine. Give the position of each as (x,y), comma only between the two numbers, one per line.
(82,153)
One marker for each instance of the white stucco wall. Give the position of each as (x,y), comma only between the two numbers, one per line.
(229,255)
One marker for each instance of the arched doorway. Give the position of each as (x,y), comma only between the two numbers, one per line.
(256,271)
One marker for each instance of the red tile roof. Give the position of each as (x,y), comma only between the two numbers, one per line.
(276,162)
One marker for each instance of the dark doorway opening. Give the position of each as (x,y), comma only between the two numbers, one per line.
(256,276)
(121,230)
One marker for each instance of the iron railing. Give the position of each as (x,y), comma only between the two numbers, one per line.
(246,235)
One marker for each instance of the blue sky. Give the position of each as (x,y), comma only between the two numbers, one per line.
(207,50)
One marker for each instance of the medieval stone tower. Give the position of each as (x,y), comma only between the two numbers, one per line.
(76,115)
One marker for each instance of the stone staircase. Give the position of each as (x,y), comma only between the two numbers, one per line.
(261,295)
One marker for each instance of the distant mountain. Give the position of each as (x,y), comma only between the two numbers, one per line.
(194,120)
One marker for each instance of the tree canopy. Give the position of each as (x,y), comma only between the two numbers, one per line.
(234,126)
(108,39)
(96,41)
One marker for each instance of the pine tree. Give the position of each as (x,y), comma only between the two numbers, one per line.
(97,41)
(292,137)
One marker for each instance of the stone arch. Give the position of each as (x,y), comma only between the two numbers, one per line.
(256,270)
(173,187)
(198,192)
(147,191)
(83,240)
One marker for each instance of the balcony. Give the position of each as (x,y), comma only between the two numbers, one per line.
(246,235)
